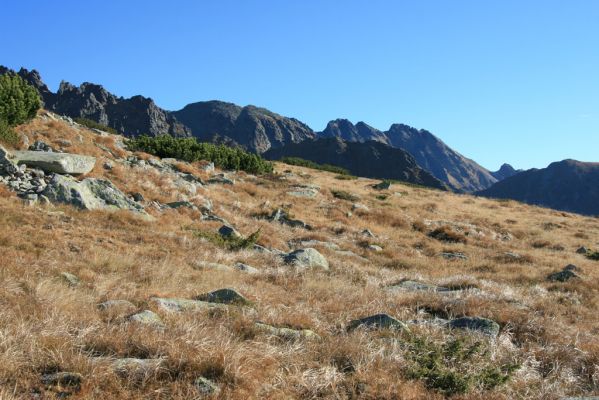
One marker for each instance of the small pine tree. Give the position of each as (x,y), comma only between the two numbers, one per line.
(19,101)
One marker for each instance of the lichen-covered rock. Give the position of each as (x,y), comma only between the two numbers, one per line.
(60,163)
(70,279)
(286,333)
(147,317)
(483,325)
(206,387)
(307,258)
(89,194)
(415,286)
(178,305)
(377,321)
(224,296)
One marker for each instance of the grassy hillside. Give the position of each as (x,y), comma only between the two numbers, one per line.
(547,347)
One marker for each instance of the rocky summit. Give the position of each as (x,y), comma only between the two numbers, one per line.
(126,275)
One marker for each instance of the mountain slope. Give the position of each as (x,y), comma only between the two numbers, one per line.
(446,164)
(369,159)
(254,128)
(567,185)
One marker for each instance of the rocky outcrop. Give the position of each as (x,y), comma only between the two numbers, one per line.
(60,163)
(89,194)
(567,185)
(369,159)
(256,129)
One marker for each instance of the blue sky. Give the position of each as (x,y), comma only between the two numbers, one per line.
(499,81)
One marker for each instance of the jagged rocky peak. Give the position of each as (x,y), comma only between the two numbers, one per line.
(346,130)
(505,171)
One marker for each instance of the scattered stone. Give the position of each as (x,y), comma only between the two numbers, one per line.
(137,197)
(213,217)
(206,387)
(107,166)
(282,217)
(71,279)
(221,179)
(571,267)
(374,247)
(454,256)
(483,325)
(246,268)
(415,286)
(63,379)
(563,275)
(64,143)
(224,296)
(60,163)
(209,167)
(378,321)
(89,194)
(367,233)
(123,306)
(286,333)
(228,232)
(178,305)
(307,192)
(181,204)
(360,207)
(147,317)
(582,250)
(38,145)
(384,185)
(307,258)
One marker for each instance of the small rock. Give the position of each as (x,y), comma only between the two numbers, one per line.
(180,204)
(137,197)
(228,232)
(562,276)
(483,325)
(107,165)
(571,267)
(136,366)
(71,279)
(38,145)
(378,321)
(307,258)
(582,250)
(121,305)
(147,317)
(178,305)
(62,379)
(221,179)
(224,296)
(246,268)
(454,256)
(384,185)
(309,193)
(209,167)
(282,217)
(359,206)
(206,387)
(367,233)
(415,286)
(374,247)
(286,333)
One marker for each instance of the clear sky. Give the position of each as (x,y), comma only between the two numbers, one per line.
(500,80)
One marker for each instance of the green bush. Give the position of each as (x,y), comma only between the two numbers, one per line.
(7,135)
(189,149)
(95,125)
(19,101)
(456,366)
(300,162)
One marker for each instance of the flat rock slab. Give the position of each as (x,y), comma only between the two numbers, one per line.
(415,286)
(178,305)
(60,163)
(377,321)
(286,333)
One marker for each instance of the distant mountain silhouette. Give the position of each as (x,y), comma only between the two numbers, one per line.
(567,185)
(505,171)
(446,164)
(369,159)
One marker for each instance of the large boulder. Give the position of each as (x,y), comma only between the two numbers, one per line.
(60,163)
(89,194)
(307,258)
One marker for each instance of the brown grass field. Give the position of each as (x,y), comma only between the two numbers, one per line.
(549,330)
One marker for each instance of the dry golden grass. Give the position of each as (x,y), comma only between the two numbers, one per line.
(549,329)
